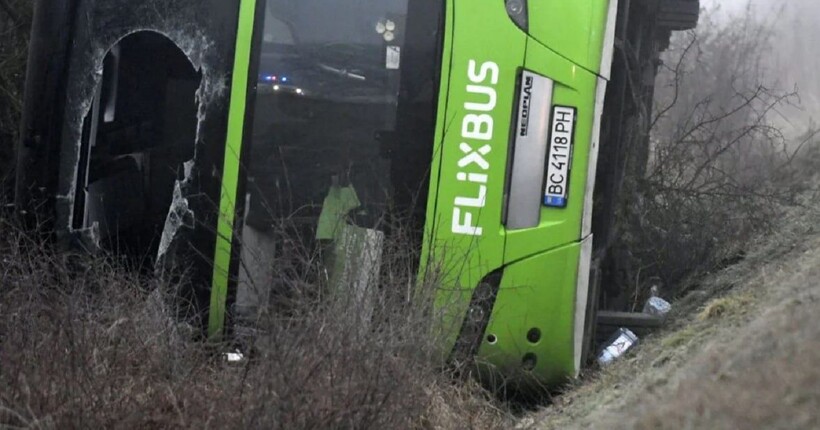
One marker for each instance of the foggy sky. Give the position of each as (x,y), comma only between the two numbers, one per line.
(795,58)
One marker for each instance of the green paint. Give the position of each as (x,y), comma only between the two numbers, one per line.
(230,169)
(537,292)
(573,29)
(427,252)
(483,38)
(540,264)
(574,86)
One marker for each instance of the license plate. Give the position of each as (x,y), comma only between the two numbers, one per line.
(559,159)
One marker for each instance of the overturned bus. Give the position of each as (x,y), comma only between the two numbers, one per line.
(182,131)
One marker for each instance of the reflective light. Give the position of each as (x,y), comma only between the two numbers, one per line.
(276,87)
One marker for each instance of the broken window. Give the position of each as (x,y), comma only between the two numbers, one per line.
(125,130)
(129,153)
(140,130)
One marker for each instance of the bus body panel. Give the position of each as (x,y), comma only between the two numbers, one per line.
(539,286)
(440,129)
(537,295)
(158,70)
(467,239)
(574,88)
(573,29)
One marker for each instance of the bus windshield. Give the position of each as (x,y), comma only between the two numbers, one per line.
(347,51)
(344,112)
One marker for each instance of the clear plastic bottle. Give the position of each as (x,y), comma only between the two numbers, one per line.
(618,344)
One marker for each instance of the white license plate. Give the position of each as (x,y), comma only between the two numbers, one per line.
(559,159)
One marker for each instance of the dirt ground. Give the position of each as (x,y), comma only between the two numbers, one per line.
(741,351)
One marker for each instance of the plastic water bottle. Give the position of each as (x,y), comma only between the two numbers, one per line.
(619,343)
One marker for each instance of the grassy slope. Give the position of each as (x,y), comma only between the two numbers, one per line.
(741,351)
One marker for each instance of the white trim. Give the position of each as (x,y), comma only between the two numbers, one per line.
(600,95)
(609,40)
(592,167)
(581,297)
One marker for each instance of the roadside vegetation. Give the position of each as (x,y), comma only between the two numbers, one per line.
(722,163)
(722,215)
(740,349)
(716,210)
(86,343)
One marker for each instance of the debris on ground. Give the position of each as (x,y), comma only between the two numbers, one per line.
(619,344)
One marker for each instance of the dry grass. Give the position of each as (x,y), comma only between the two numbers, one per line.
(740,352)
(761,374)
(87,344)
(724,306)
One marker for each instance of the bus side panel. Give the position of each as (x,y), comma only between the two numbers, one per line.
(468,239)
(44,96)
(574,29)
(574,88)
(533,319)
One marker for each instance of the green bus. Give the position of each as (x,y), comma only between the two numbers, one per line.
(182,131)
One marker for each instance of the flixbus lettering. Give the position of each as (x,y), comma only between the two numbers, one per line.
(476,133)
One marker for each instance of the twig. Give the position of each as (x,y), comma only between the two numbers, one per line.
(6,7)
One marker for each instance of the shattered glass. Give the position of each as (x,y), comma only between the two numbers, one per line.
(205,32)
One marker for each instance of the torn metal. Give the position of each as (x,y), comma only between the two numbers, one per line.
(206,42)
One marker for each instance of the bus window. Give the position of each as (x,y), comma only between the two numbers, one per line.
(342,128)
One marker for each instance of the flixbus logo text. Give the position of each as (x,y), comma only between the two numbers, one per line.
(476,144)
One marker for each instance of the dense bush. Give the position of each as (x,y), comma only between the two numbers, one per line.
(720,168)
(87,344)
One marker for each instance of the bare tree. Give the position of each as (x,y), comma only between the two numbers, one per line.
(716,157)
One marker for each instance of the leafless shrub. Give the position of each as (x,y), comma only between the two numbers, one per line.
(85,343)
(719,166)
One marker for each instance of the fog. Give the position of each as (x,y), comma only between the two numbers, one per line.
(795,49)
